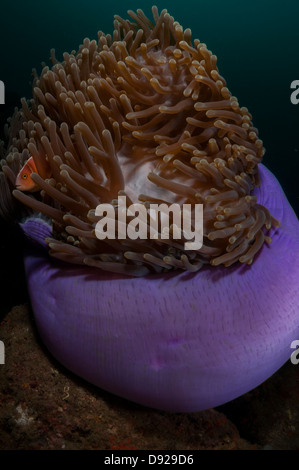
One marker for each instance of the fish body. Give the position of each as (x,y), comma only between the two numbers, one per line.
(24,181)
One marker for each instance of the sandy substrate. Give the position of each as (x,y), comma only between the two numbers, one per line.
(44,406)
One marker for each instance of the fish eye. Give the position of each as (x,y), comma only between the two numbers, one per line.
(24,176)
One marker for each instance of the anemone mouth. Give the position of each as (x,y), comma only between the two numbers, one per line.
(143,113)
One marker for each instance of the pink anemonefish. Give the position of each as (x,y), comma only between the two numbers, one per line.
(24,181)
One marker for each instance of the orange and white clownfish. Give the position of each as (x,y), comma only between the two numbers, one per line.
(24,181)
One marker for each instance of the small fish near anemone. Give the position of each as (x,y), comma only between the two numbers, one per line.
(24,181)
(145,114)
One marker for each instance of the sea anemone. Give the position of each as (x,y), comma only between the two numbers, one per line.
(145,114)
